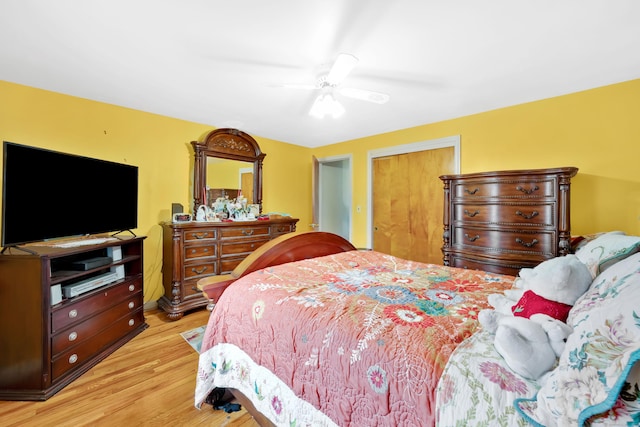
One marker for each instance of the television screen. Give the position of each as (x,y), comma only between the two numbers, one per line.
(47,194)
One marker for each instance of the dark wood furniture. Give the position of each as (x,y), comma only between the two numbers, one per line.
(506,220)
(194,250)
(283,249)
(45,347)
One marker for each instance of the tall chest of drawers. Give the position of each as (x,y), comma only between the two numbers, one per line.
(506,220)
(195,250)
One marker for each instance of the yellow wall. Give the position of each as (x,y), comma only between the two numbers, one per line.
(158,145)
(597,131)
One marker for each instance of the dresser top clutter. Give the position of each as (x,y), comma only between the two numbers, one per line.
(503,221)
(227,223)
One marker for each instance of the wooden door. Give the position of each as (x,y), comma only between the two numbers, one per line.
(408,203)
(246,185)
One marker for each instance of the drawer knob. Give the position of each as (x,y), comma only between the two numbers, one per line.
(73,336)
(199,270)
(200,235)
(73,314)
(525,244)
(472,192)
(132,288)
(525,216)
(529,191)
(73,358)
(471,239)
(471,214)
(247,232)
(131,304)
(132,322)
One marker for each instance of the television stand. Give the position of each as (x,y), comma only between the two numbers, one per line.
(51,339)
(27,250)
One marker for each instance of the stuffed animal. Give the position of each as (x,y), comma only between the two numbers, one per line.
(529,320)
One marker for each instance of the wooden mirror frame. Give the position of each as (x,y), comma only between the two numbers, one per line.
(226,143)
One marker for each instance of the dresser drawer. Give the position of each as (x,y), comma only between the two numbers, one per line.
(506,189)
(93,325)
(242,247)
(242,232)
(84,306)
(200,251)
(228,264)
(278,229)
(542,215)
(504,241)
(200,234)
(490,265)
(200,269)
(84,351)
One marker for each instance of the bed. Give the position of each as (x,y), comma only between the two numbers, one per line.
(310,331)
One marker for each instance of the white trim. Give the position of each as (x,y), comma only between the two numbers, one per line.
(448,141)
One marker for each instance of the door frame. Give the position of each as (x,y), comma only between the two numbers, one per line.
(433,144)
(347,186)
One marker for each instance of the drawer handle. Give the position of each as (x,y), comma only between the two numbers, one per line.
(525,191)
(199,270)
(525,216)
(73,314)
(132,322)
(73,336)
(472,191)
(132,304)
(471,239)
(528,245)
(73,358)
(132,288)
(471,214)
(200,235)
(247,232)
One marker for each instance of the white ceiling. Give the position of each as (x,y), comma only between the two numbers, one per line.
(225,63)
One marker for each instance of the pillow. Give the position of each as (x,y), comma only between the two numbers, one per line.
(607,249)
(599,354)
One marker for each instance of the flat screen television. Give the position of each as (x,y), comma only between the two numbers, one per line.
(48,194)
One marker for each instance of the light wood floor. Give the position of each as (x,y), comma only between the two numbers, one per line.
(148,382)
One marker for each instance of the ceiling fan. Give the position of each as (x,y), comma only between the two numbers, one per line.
(326,103)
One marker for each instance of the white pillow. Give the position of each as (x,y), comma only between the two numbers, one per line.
(607,249)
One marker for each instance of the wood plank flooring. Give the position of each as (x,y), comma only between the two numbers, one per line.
(148,382)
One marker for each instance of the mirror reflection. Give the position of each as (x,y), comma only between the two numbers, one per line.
(229,178)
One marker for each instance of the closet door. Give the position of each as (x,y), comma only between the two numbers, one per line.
(408,203)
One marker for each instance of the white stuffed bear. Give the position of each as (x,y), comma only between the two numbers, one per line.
(529,320)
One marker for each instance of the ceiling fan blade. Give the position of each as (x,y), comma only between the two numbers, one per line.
(364,95)
(341,68)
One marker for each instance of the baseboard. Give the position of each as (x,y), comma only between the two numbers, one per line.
(150,305)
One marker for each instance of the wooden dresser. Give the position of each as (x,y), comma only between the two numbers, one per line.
(506,220)
(195,250)
(47,340)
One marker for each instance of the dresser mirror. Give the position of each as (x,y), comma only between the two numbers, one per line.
(227,160)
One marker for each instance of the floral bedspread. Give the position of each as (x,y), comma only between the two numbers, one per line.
(477,387)
(360,336)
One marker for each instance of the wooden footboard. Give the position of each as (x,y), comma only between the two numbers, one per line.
(286,248)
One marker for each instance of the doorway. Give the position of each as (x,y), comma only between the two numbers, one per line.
(332,212)
(405,198)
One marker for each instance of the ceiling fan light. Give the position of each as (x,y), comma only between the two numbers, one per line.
(326,105)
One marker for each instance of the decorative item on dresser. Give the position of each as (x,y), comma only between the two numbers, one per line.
(48,341)
(503,221)
(195,250)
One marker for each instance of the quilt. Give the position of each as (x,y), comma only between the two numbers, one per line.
(358,338)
